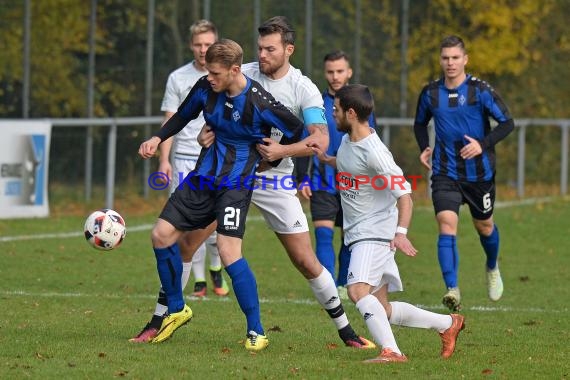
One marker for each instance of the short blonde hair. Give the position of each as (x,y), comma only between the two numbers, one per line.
(202,26)
(226,52)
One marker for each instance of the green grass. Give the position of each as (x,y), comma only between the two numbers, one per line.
(68,310)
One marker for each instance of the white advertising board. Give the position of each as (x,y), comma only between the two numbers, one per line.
(24,160)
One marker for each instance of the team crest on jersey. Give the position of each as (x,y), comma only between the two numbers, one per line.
(236,116)
(462,99)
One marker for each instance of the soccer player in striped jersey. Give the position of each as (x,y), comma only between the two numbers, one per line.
(463,161)
(219,189)
(178,157)
(377,210)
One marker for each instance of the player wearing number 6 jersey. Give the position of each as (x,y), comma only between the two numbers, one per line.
(463,161)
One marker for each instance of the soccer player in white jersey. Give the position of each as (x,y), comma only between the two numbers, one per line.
(183,149)
(276,194)
(377,208)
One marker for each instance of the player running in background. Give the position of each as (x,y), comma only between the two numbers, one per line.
(326,211)
(376,221)
(463,167)
(183,149)
(242,113)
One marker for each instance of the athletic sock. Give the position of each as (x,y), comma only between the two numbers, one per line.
(199,264)
(161,307)
(169,266)
(448,257)
(404,314)
(245,289)
(491,246)
(214,254)
(326,293)
(343,262)
(156,321)
(324,247)
(186,268)
(377,322)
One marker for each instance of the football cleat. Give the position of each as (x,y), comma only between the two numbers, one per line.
(200,289)
(449,336)
(171,323)
(256,342)
(494,284)
(388,356)
(360,343)
(146,335)
(221,287)
(452,299)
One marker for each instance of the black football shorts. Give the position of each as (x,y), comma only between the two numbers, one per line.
(195,205)
(326,206)
(448,194)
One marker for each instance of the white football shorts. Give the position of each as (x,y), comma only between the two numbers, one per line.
(280,208)
(373,263)
(181,166)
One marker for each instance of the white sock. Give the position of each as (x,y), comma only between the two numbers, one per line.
(186,267)
(324,289)
(213,253)
(160,309)
(377,322)
(404,314)
(199,264)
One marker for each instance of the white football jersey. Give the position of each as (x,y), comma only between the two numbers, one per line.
(179,84)
(296,92)
(369,209)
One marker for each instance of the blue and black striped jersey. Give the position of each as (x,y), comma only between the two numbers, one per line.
(465,110)
(239,123)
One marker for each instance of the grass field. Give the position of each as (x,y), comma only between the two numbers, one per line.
(67,310)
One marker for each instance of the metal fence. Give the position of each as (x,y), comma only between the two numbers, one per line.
(386,125)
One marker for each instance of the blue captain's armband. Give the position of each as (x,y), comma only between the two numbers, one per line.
(314,115)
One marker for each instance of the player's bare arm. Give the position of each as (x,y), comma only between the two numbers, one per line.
(164,165)
(401,242)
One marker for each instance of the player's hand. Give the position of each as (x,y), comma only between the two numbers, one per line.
(149,147)
(263,166)
(472,149)
(305,190)
(271,150)
(166,168)
(425,157)
(319,152)
(402,243)
(206,137)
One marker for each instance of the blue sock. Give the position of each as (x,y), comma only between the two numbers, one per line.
(491,246)
(448,259)
(325,249)
(343,262)
(169,266)
(245,289)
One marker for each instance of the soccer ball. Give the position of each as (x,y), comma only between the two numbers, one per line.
(105,229)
